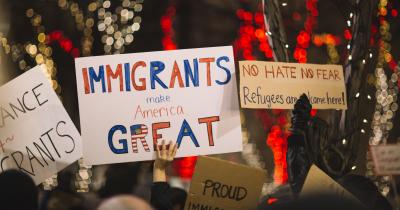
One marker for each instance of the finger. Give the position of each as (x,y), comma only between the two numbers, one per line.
(175,150)
(158,151)
(170,148)
(164,148)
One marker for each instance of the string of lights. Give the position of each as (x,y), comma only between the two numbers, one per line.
(118,28)
(251,32)
(83,23)
(386,94)
(166,23)
(304,36)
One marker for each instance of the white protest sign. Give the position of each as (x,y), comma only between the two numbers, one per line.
(36,134)
(130,102)
(275,85)
(386,159)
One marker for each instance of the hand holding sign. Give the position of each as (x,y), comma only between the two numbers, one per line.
(165,156)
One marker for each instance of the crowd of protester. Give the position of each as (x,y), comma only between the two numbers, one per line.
(18,191)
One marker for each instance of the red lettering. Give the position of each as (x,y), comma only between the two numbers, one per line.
(85,80)
(209,121)
(155,128)
(176,73)
(208,62)
(142,80)
(111,74)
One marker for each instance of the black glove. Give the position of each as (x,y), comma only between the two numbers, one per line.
(301,114)
(297,157)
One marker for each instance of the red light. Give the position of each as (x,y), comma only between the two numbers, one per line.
(303,38)
(318,41)
(271,200)
(276,140)
(240,13)
(259,18)
(314,12)
(268,53)
(394,13)
(75,52)
(247,16)
(374,29)
(296,16)
(330,39)
(249,30)
(347,34)
(392,65)
(166,23)
(185,166)
(313,112)
(303,60)
(55,35)
(260,34)
(66,44)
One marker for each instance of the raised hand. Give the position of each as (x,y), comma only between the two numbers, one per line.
(165,156)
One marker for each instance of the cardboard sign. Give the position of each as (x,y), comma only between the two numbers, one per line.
(223,185)
(128,103)
(319,183)
(274,85)
(386,159)
(36,134)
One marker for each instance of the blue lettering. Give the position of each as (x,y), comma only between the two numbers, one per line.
(156,67)
(127,67)
(193,75)
(186,130)
(93,77)
(124,143)
(228,73)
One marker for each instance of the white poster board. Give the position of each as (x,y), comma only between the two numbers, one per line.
(386,159)
(276,85)
(36,134)
(130,102)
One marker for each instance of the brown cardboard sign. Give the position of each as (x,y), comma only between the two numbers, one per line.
(223,185)
(277,85)
(318,182)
